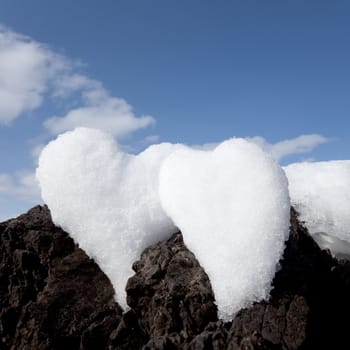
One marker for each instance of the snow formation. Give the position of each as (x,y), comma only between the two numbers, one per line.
(320,192)
(232,207)
(106,199)
(231,203)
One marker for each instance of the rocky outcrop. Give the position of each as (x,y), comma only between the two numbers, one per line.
(52,296)
(170,294)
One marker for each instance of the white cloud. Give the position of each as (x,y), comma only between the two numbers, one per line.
(26,67)
(30,72)
(21,185)
(99,110)
(5,183)
(106,113)
(68,84)
(298,145)
(152,139)
(210,146)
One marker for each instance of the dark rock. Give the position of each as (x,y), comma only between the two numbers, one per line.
(128,334)
(315,275)
(308,305)
(52,296)
(296,323)
(170,293)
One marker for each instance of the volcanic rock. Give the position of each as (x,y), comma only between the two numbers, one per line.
(52,296)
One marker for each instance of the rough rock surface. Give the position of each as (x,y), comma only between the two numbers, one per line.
(52,296)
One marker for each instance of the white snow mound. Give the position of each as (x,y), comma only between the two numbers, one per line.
(320,192)
(106,199)
(231,203)
(232,206)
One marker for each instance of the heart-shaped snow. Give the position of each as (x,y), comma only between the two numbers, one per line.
(232,206)
(106,199)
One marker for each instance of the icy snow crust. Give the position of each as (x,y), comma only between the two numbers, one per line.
(231,203)
(320,192)
(232,207)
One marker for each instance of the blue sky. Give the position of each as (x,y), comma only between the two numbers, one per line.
(192,71)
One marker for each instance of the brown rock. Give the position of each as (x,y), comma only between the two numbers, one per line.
(52,296)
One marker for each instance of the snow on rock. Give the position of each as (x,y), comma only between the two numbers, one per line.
(232,206)
(106,199)
(338,247)
(320,192)
(231,203)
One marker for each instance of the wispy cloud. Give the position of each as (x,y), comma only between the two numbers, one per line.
(31,72)
(21,185)
(100,111)
(152,139)
(26,67)
(282,149)
(298,145)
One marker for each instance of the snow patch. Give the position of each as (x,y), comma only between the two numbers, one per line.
(320,192)
(232,206)
(231,203)
(106,199)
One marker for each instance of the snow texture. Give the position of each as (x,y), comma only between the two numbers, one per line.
(320,192)
(232,206)
(107,200)
(231,203)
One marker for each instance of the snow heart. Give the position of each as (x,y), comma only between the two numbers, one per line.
(106,199)
(232,206)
